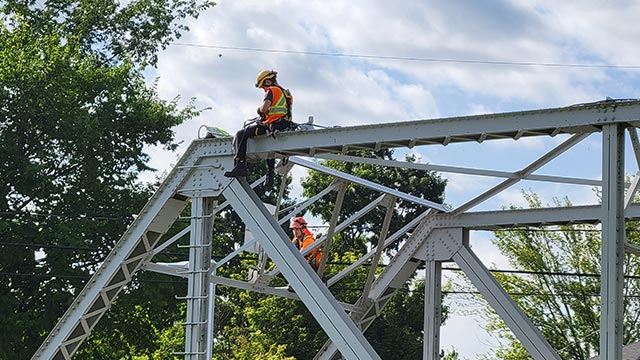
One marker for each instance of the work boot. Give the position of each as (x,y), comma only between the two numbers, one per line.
(240,170)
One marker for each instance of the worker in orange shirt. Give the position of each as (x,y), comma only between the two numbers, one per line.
(275,114)
(302,238)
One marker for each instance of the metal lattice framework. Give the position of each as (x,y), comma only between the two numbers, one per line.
(438,234)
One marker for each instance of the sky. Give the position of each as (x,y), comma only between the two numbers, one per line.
(365,62)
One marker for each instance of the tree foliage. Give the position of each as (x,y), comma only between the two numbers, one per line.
(397,334)
(420,183)
(561,293)
(246,320)
(75,114)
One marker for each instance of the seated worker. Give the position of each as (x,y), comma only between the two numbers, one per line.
(302,238)
(275,114)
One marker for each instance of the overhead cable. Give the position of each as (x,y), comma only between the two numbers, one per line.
(413,58)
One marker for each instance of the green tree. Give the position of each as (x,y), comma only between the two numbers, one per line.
(397,333)
(250,325)
(420,183)
(287,324)
(75,114)
(244,320)
(560,293)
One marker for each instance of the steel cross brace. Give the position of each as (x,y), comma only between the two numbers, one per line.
(503,304)
(315,295)
(446,244)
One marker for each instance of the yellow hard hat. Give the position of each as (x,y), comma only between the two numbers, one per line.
(264,75)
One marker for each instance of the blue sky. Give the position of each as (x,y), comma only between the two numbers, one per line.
(456,47)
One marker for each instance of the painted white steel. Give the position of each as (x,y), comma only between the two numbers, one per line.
(99,281)
(613,239)
(328,238)
(547,122)
(492,220)
(199,174)
(198,279)
(390,240)
(320,302)
(369,184)
(210,323)
(501,302)
(339,228)
(545,159)
(432,310)
(377,253)
(458,170)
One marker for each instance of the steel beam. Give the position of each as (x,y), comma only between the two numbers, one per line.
(543,160)
(316,297)
(369,184)
(401,267)
(328,242)
(459,170)
(501,302)
(303,205)
(613,239)
(133,249)
(360,213)
(432,309)
(199,175)
(375,261)
(500,219)
(584,118)
(197,337)
(393,238)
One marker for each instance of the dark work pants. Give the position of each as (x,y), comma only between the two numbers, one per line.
(251,131)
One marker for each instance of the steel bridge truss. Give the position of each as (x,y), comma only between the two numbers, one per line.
(439,234)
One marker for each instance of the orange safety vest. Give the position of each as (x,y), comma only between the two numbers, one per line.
(280,107)
(307,239)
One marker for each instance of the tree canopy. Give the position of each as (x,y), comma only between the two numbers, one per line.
(420,183)
(272,325)
(75,115)
(560,291)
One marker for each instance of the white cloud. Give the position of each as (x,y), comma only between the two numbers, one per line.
(343,90)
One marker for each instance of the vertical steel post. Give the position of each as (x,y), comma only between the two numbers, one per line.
(432,309)
(199,279)
(613,238)
(212,312)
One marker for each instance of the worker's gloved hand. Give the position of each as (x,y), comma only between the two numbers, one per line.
(262,115)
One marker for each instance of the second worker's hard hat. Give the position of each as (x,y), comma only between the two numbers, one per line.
(297,222)
(264,75)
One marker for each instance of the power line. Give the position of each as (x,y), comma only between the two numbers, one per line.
(63,216)
(550,273)
(48,246)
(457,292)
(504,271)
(412,58)
(182,282)
(508,271)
